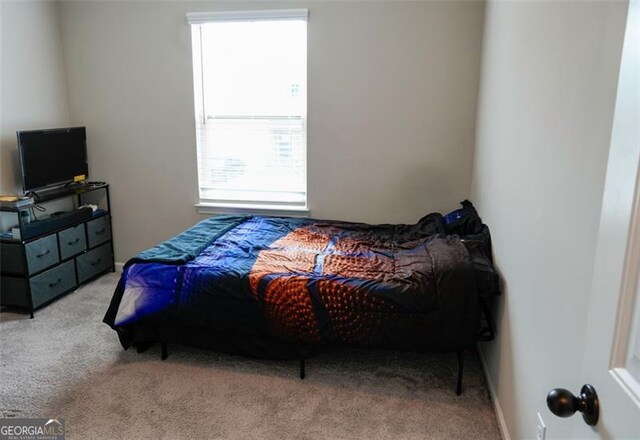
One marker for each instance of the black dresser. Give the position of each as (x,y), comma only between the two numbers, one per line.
(55,255)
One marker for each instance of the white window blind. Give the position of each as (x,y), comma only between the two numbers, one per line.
(250,70)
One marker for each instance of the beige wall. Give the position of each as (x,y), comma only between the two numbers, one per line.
(33,87)
(392,102)
(548,88)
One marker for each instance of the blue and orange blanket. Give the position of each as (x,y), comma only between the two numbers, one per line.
(312,282)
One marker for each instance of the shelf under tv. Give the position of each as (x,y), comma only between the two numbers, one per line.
(56,193)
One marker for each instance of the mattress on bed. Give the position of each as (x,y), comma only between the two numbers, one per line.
(308,281)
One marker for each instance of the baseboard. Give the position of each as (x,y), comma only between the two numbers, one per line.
(502,424)
(119,266)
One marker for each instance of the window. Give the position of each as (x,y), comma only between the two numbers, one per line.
(250,81)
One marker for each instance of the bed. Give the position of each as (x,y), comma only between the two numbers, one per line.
(286,288)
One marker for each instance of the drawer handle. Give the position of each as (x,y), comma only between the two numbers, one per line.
(101,231)
(56,283)
(43,254)
(71,243)
(95,263)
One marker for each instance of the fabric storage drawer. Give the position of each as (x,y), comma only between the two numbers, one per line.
(72,241)
(93,262)
(49,284)
(98,231)
(42,253)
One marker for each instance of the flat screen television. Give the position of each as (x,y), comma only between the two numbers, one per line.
(52,157)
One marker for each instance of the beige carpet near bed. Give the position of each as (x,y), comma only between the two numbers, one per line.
(66,363)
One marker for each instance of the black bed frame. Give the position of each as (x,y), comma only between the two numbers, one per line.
(486,333)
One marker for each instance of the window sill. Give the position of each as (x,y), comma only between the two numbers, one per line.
(230,208)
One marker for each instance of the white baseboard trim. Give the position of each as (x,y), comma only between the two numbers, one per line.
(502,424)
(118,266)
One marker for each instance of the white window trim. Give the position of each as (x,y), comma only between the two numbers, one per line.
(266,14)
(199,18)
(230,208)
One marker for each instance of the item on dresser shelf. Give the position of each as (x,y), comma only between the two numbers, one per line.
(89,205)
(96,183)
(15,201)
(15,233)
(25,217)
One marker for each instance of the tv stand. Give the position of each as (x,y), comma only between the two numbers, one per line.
(56,255)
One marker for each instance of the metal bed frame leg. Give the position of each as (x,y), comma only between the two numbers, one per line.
(460,369)
(302,373)
(163,351)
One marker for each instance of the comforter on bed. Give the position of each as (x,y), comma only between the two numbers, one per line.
(314,283)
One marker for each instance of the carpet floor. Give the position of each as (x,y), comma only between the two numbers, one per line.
(66,363)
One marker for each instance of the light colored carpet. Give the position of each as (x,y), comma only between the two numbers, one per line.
(67,363)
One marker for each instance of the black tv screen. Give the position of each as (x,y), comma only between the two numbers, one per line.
(52,156)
